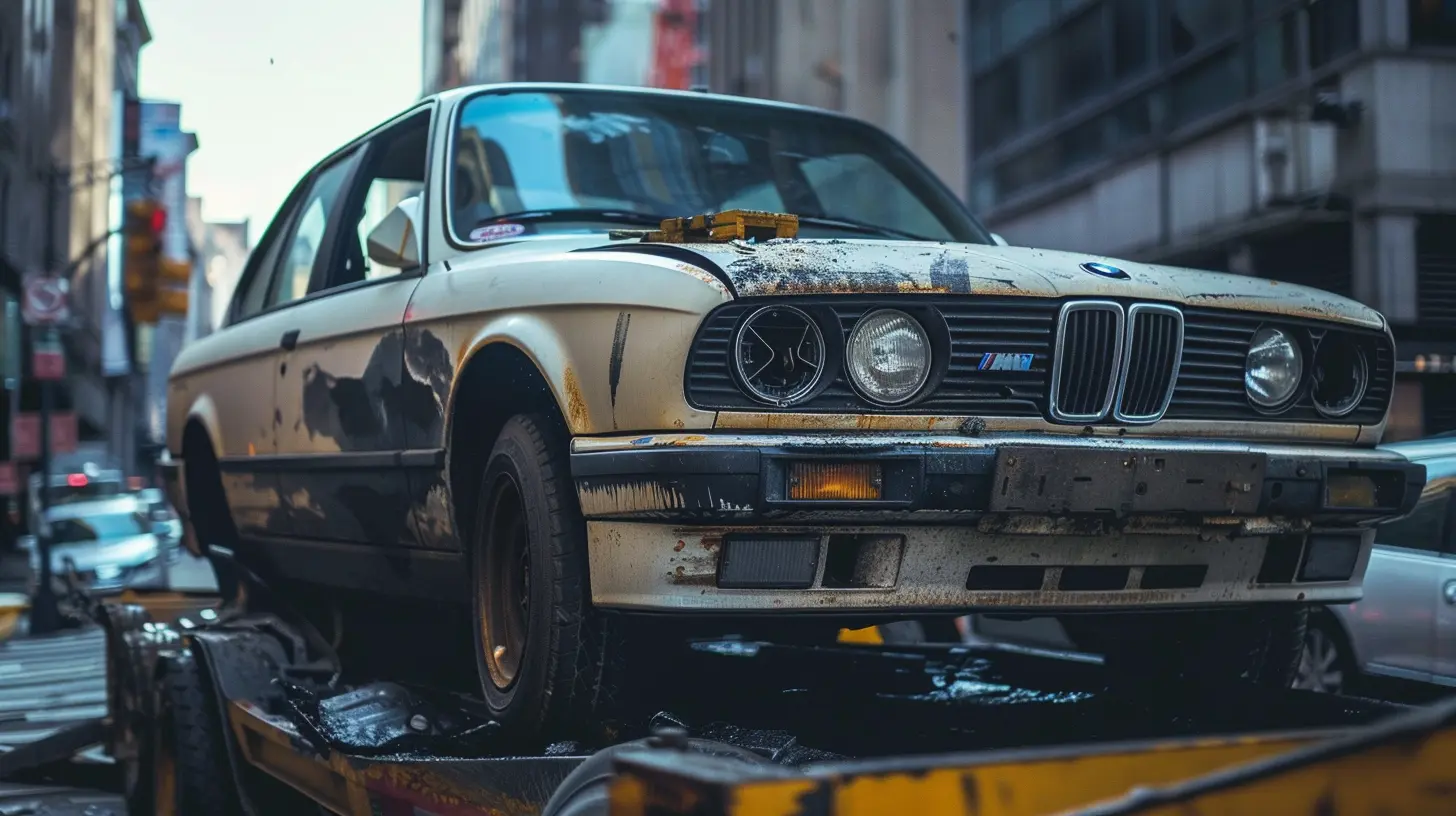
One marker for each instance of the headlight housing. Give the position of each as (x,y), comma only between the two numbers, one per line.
(1273,368)
(888,356)
(779,355)
(1339,375)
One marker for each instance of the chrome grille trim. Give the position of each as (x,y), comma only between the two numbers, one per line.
(1080,350)
(1155,367)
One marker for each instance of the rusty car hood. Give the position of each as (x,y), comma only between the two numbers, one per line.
(805,267)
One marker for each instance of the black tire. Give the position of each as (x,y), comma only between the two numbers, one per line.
(198,747)
(555,667)
(1203,650)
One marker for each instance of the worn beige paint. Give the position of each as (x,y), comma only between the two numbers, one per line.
(666,567)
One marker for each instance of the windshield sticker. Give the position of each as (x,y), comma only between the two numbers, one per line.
(495,232)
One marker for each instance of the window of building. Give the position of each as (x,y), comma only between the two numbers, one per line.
(1081,55)
(1020,20)
(1211,86)
(1334,30)
(1433,22)
(1276,52)
(1195,24)
(1133,44)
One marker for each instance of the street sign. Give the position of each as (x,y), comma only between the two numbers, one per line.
(25,434)
(47,300)
(48,358)
(9,479)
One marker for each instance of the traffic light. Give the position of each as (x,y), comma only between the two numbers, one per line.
(155,285)
(145,221)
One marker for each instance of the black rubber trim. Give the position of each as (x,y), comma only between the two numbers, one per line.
(745,484)
(666,461)
(360,460)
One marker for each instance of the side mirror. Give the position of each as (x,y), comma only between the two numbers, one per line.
(996,236)
(395,241)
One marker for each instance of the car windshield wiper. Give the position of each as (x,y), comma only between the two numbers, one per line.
(859,226)
(577,214)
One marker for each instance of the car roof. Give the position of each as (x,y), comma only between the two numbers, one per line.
(115,504)
(455,94)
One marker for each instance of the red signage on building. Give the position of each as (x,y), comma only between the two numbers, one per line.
(48,363)
(25,435)
(675,44)
(9,479)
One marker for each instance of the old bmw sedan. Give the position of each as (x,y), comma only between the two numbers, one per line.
(560,355)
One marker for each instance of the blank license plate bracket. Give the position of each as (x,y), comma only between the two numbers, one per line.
(1064,480)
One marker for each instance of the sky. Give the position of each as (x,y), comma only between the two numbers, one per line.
(270,87)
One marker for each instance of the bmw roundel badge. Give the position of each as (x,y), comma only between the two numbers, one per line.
(1102,270)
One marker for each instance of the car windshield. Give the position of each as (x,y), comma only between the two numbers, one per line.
(98,527)
(613,158)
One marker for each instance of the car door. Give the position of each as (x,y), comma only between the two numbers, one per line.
(1394,625)
(238,377)
(342,395)
(1444,669)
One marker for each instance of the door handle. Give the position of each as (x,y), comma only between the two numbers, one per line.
(290,339)
(1449,591)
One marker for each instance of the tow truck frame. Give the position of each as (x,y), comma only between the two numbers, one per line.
(245,708)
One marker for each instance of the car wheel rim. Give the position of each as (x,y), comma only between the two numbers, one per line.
(1319,664)
(508,583)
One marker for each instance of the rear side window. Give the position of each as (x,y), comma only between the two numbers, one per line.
(308,233)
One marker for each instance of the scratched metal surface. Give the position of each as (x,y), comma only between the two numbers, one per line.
(42,800)
(48,683)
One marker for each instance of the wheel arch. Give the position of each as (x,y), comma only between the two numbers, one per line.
(498,380)
(1333,620)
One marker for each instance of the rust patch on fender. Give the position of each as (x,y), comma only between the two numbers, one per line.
(576,413)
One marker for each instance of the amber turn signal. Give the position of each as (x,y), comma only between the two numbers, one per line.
(835,481)
(1351,491)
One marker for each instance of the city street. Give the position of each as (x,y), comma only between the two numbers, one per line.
(727,407)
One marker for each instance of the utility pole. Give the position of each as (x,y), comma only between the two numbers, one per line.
(45,613)
(47,309)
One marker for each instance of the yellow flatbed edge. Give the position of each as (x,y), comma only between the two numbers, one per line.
(1403,765)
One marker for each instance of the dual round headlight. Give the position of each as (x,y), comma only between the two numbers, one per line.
(1274,372)
(780,356)
(888,356)
(1273,368)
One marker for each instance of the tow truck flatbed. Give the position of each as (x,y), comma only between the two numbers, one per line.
(251,710)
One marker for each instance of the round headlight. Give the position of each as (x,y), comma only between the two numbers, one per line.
(1340,375)
(1273,368)
(780,355)
(888,356)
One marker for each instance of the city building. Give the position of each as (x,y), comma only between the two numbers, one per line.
(95,48)
(894,64)
(1304,140)
(620,42)
(220,248)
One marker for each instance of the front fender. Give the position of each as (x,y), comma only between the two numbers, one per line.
(609,333)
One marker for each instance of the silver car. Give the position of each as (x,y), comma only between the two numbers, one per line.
(111,543)
(1405,627)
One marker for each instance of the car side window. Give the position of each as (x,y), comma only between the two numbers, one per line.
(393,170)
(1423,529)
(307,237)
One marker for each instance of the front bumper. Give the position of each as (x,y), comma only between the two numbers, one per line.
(1006,522)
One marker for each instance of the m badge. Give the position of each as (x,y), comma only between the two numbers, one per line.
(1005,361)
